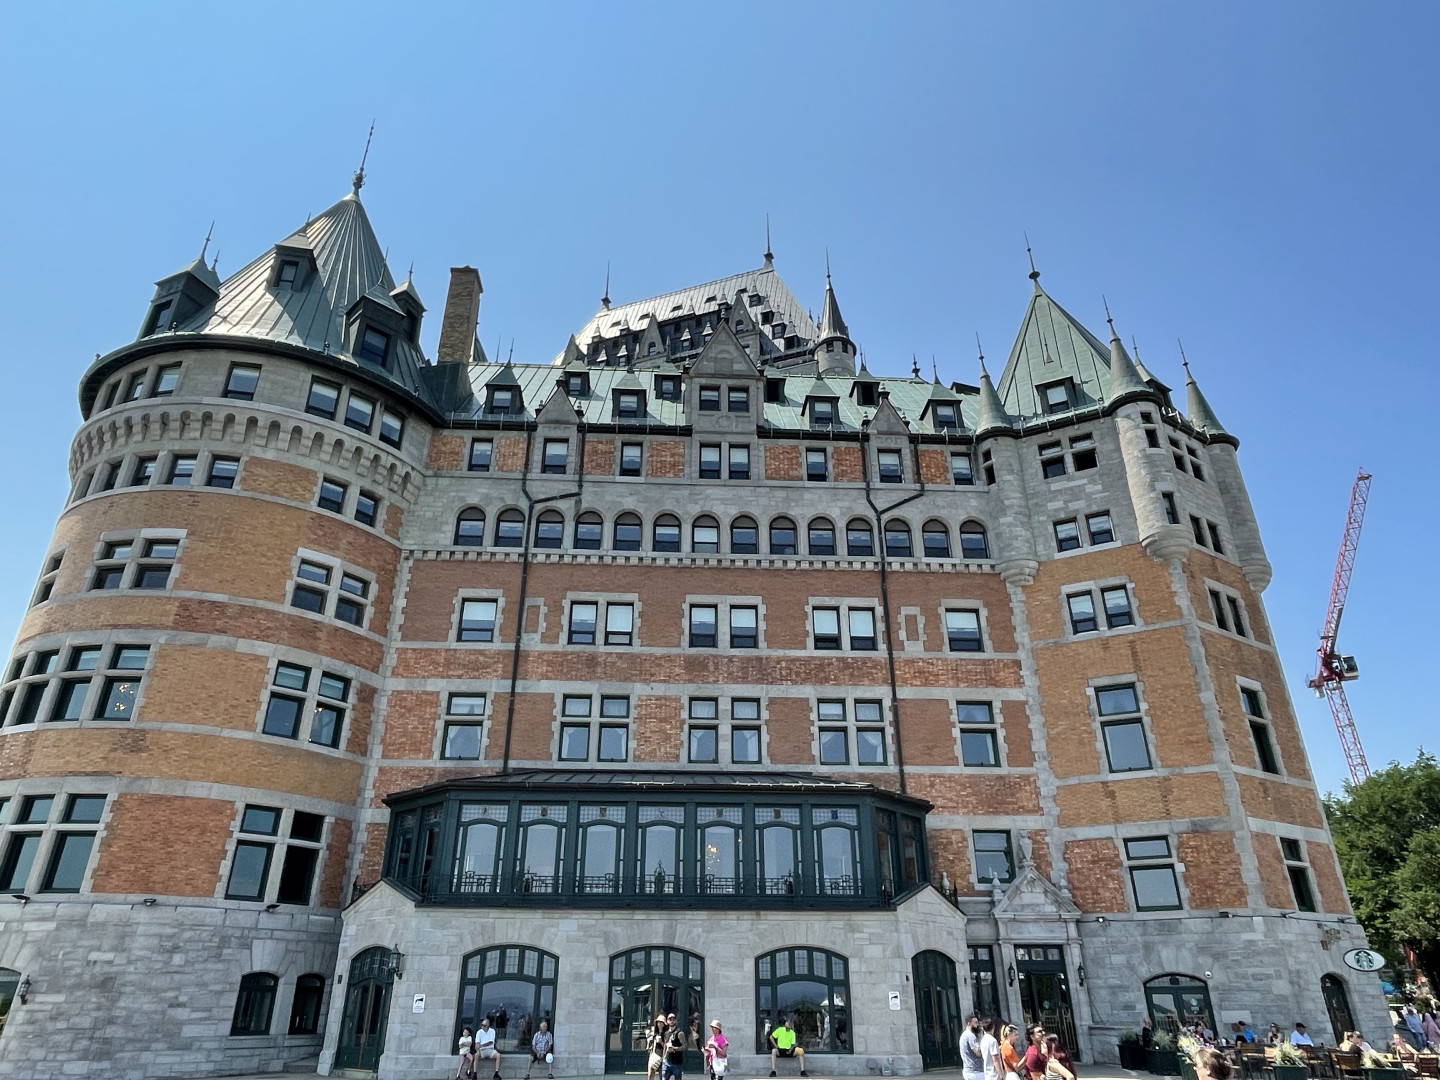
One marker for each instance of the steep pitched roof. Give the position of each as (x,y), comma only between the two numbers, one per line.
(832,325)
(349,264)
(1051,346)
(1199,410)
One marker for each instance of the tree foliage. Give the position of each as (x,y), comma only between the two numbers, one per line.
(1387,837)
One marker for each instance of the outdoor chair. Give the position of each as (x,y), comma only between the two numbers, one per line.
(1348,1064)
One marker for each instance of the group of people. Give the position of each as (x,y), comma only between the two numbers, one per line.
(668,1041)
(477,1046)
(1012,1054)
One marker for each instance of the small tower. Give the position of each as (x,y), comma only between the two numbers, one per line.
(997,441)
(190,289)
(834,351)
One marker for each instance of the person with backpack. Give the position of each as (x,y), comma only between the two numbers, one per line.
(674,1053)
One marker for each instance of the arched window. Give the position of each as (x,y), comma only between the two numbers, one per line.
(479,844)
(541,850)
(897,540)
(821,539)
(837,846)
(705,535)
(811,989)
(514,986)
(859,539)
(598,862)
(510,529)
(718,848)
(254,1004)
(1177,1001)
(782,536)
(973,542)
(646,982)
(550,529)
(936,538)
(628,532)
(470,527)
(589,531)
(667,533)
(744,536)
(305,1008)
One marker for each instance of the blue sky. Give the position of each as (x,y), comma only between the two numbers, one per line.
(1258,180)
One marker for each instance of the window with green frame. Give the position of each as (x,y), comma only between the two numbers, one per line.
(808,988)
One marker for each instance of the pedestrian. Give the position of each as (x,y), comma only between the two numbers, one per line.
(783,1044)
(972,1062)
(655,1044)
(1431,1026)
(1057,1061)
(1035,1061)
(542,1048)
(674,1053)
(1147,1033)
(990,1051)
(717,1051)
(1298,1036)
(1011,1050)
(485,1047)
(1414,1027)
(1210,1064)
(466,1068)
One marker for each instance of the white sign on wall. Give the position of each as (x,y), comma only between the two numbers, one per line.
(1364,960)
(894,1000)
(419,1005)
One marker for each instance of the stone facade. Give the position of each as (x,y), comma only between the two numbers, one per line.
(250,628)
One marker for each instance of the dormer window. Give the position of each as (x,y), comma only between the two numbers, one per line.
(775,391)
(374,345)
(502,401)
(867,393)
(1056,396)
(160,317)
(577,384)
(667,387)
(945,418)
(288,273)
(822,412)
(629,404)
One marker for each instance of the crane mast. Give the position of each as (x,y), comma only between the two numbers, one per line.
(1334,669)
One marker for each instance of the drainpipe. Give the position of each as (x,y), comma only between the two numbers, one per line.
(890,629)
(530,505)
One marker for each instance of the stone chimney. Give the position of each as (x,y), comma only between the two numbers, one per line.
(462,312)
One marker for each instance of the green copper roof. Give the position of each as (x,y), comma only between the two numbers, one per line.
(1052,346)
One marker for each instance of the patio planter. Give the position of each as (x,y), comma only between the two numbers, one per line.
(1187,1068)
(1290,1072)
(1132,1056)
(1396,1073)
(1167,1063)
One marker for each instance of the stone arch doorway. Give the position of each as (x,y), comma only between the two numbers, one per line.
(647,982)
(1175,1000)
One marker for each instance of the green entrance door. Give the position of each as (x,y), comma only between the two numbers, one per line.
(1175,1001)
(937,1009)
(1337,1004)
(367,1006)
(1045,992)
(650,982)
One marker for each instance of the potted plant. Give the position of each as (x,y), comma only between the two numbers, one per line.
(1132,1054)
(1162,1059)
(1379,1067)
(1290,1062)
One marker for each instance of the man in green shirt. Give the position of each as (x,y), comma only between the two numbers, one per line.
(782,1044)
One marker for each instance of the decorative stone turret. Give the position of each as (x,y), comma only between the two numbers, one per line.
(1014,535)
(834,351)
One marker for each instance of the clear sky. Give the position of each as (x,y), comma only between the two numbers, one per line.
(1258,180)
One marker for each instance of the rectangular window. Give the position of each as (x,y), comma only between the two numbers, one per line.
(1056,397)
(1197,527)
(709,462)
(1067,535)
(1082,613)
(709,399)
(628,405)
(614,742)
(332,496)
(994,857)
(1082,452)
(288,272)
(477,620)
(182,470)
(462,741)
(19,860)
(392,428)
(1122,728)
(324,399)
(739,465)
(1237,615)
(744,628)
(619,624)
(1215,543)
(745,731)
(631,455)
(961,469)
(869,733)
(862,629)
(1217,608)
(374,345)
(501,401)
(359,412)
(834,741)
(704,738)
(223,472)
(1152,874)
(313,596)
(166,380)
(1100,528)
(962,630)
(815,465)
(1052,460)
(1172,513)
(480,454)
(825,622)
(241,382)
(557,456)
(891,469)
(979,739)
(703,626)
(135,388)
(350,601)
(69,856)
(945,419)
(737,399)
(1116,601)
(667,388)
(1299,872)
(249,870)
(367,506)
(144,472)
(583,618)
(1265,755)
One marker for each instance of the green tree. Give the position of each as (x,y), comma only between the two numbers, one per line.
(1387,837)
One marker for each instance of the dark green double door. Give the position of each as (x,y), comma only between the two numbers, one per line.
(367,1006)
(650,982)
(1045,992)
(937,1009)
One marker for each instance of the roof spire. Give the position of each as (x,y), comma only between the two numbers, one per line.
(410,274)
(1196,407)
(914,367)
(827,266)
(359,179)
(215,261)
(1034,274)
(769,255)
(605,300)
(981,351)
(206,246)
(934,370)
(991,415)
(831,323)
(1124,379)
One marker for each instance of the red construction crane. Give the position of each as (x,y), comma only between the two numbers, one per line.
(1335,670)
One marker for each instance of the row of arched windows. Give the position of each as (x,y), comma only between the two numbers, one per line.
(627,533)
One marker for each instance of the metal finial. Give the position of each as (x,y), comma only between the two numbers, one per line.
(206,246)
(914,367)
(1184,361)
(827,264)
(769,255)
(1034,274)
(980,349)
(409,274)
(1108,319)
(215,261)
(511,356)
(935,371)
(605,300)
(359,179)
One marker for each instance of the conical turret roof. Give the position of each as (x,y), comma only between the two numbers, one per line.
(832,325)
(1198,409)
(1124,378)
(992,415)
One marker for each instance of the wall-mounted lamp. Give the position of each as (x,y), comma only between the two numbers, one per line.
(21,897)
(1101,919)
(1010,974)
(397,963)
(1081,972)
(1209,975)
(149,901)
(23,990)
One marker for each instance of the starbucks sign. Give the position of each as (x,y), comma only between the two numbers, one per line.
(1364,960)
